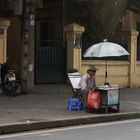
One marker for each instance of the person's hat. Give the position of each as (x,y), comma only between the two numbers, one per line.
(93,68)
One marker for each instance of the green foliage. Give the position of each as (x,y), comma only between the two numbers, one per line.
(100,17)
(134,5)
(104,16)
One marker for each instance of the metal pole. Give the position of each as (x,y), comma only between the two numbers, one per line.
(105,71)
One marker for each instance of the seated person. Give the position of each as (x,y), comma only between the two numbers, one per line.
(88,83)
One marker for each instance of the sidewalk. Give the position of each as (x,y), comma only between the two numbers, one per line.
(46,107)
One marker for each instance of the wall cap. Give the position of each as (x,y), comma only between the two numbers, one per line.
(131,32)
(74,27)
(4,23)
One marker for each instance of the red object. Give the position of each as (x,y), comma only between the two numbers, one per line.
(93,100)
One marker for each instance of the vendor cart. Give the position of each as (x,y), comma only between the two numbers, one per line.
(109,97)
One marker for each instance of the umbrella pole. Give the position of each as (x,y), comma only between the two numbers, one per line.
(105,71)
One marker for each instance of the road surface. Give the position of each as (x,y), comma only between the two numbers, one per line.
(120,130)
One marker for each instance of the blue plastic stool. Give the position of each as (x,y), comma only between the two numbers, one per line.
(74,103)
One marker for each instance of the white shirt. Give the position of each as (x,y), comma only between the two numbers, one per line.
(87,82)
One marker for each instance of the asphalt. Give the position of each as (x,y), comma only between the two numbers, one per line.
(46,107)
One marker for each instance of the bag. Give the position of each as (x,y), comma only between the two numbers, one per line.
(93,100)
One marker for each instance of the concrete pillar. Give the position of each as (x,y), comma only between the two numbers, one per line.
(133,57)
(73,38)
(130,38)
(4,24)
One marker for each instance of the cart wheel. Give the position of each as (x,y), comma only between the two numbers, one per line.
(118,108)
(106,110)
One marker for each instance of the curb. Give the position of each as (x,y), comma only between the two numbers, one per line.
(28,126)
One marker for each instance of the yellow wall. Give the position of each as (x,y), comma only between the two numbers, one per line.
(4,24)
(137,77)
(117,71)
(2,50)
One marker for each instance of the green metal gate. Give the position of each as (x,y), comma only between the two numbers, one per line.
(50,62)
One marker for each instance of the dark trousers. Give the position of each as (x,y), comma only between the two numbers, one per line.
(84,93)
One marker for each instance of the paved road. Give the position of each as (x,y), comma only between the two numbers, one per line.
(123,130)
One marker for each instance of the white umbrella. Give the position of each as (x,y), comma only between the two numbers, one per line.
(105,49)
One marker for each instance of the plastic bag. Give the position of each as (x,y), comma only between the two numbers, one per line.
(93,100)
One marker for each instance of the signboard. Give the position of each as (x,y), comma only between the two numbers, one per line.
(113,96)
(75,82)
